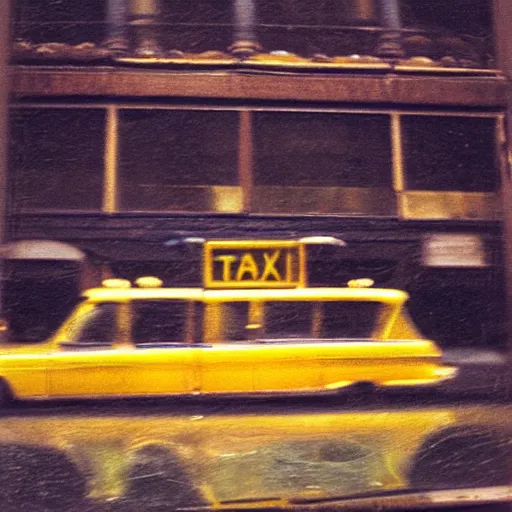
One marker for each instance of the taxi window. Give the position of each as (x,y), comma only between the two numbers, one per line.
(98,325)
(288,319)
(236,318)
(323,320)
(302,319)
(159,321)
(349,319)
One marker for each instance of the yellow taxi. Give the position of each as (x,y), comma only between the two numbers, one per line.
(253,328)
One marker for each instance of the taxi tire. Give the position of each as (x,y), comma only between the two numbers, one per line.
(363,391)
(6,395)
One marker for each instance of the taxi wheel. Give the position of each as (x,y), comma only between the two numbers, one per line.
(358,392)
(6,396)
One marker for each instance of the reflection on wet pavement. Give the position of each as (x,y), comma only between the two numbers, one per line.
(229,454)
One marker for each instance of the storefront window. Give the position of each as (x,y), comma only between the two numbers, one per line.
(56,159)
(450,153)
(178,160)
(322,162)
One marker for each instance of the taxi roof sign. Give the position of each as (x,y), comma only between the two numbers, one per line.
(254,264)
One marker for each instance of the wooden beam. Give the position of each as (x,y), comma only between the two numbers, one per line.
(391,89)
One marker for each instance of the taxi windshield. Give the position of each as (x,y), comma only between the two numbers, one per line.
(302,319)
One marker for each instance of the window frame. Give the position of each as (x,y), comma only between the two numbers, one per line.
(477,205)
(386,316)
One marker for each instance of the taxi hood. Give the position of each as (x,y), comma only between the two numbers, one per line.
(16,347)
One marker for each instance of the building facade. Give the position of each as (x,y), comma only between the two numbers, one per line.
(138,127)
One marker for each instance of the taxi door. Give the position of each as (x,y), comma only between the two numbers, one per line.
(226,358)
(358,350)
(343,342)
(26,370)
(85,361)
(115,352)
(241,359)
(287,359)
(160,360)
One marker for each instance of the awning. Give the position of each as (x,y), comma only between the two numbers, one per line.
(40,250)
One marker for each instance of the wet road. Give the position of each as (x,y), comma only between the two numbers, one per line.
(164,454)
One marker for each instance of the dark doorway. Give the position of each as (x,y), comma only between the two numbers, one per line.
(38,297)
